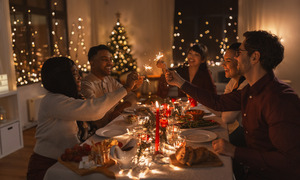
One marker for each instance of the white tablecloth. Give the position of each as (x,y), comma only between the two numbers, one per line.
(60,172)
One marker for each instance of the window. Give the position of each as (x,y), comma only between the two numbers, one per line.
(39,31)
(213,23)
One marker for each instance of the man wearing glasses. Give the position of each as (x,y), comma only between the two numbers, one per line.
(270,110)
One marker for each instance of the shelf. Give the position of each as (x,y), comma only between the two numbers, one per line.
(8,122)
(7,93)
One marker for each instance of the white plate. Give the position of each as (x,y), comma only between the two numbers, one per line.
(199,136)
(105,132)
(129,110)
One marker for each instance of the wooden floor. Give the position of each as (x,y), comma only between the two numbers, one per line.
(14,166)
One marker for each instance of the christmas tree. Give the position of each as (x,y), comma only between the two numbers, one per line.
(121,50)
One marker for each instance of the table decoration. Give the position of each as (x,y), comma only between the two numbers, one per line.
(2,114)
(163,122)
(124,155)
(157,129)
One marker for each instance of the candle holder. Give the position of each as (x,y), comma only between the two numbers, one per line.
(2,114)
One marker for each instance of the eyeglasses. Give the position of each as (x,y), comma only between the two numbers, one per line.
(238,53)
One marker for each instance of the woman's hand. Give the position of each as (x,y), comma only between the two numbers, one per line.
(224,147)
(173,78)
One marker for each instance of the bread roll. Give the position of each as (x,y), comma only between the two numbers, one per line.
(189,156)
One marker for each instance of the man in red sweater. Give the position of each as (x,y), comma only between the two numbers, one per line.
(270,110)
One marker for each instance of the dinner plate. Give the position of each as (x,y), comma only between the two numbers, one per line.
(199,136)
(110,132)
(129,110)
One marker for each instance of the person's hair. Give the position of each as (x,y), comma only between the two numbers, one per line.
(94,50)
(268,45)
(57,76)
(201,49)
(234,46)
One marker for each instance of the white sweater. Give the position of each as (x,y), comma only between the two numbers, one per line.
(57,128)
(233,118)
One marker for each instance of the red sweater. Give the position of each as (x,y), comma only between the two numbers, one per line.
(271,120)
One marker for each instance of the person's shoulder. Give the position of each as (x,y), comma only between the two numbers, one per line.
(54,97)
(90,78)
(243,84)
(181,69)
(110,78)
(231,82)
(277,91)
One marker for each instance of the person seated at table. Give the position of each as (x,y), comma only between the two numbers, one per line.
(61,108)
(237,82)
(270,110)
(195,71)
(99,82)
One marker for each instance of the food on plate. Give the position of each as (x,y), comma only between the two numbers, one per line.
(201,123)
(97,152)
(76,153)
(131,118)
(187,155)
(197,114)
(144,111)
(100,151)
(184,118)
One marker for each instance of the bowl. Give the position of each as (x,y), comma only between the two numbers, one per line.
(197,114)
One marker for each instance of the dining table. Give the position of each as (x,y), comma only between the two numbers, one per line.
(157,171)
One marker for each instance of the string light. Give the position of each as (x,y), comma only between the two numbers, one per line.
(207,34)
(77,44)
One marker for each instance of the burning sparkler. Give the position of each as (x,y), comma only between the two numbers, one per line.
(148,68)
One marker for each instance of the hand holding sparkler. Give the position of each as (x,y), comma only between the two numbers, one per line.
(139,82)
(132,81)
(160,63)
(173,78)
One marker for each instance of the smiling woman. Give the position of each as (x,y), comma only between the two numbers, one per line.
(196,71)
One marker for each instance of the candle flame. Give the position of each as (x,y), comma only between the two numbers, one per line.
(156,104)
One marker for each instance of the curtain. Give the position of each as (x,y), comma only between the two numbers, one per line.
(280,18)
(6,54)
(148,23)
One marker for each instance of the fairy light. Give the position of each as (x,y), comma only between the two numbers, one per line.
(206,34)
(77,44)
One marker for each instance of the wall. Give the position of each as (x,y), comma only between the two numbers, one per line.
(148,23)
(281,18)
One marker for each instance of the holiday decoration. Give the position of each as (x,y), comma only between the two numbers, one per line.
(123,60)
(77,45)
(30,48)
(26,61)
(206,36)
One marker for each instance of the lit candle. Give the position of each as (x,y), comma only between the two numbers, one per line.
(157,128)
(168,112)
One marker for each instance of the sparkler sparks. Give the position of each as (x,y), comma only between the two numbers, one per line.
(147,67)
(159,56)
